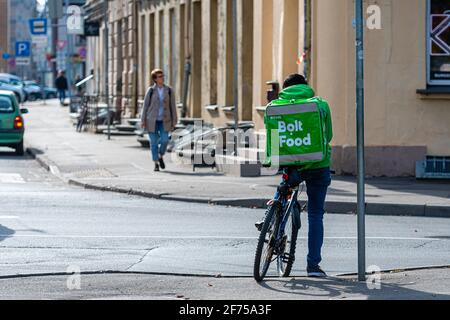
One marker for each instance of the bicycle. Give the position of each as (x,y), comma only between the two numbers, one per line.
(83,117)
(278,237)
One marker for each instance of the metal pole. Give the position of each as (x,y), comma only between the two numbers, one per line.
(68,51)
(235,76)
(360,138)
(106,44)
(187,66)
(136,57)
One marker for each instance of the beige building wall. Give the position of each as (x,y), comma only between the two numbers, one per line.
(401,126)
(4,35)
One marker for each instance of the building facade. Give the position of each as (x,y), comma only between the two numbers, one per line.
(4,36)
(20,11)
(407,51)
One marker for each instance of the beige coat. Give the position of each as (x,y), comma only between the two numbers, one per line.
(151,109)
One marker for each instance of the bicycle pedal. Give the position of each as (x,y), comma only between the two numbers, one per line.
(286,258)
(259,226)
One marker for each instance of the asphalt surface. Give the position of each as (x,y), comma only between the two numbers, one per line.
(47,226)
(412,285)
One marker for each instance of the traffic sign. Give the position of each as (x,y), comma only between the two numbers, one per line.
(38,26)
(22,61)
(23,49)
(39,41)
(61,44)
(6,56)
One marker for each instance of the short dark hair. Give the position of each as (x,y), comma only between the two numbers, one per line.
(156,73)
(294,79)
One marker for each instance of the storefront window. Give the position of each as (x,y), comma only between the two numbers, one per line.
(438,48)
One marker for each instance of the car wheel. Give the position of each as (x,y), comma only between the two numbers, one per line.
(32,97)
(19,149)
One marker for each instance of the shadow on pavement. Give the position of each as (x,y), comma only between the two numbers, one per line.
(5,232)
(10,154)
(34,151)
(338,288)
(196,174)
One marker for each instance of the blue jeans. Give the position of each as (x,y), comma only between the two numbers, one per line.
(317,183)
(62,95)
(158,141)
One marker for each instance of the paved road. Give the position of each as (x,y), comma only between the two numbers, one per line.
(432,284)
(47,226)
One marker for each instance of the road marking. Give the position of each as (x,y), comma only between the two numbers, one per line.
(203,237)
(11,178)
(9,217)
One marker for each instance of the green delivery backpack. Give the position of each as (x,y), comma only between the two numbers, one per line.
(295,132)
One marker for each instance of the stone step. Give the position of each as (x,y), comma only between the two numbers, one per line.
(125,128)
(252,154)
(237,166)
(119,133)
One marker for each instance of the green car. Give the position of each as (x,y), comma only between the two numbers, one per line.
(12,125)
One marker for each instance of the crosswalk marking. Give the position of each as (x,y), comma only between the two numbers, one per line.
(11,178)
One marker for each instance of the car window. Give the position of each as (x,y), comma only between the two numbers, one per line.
(6,105)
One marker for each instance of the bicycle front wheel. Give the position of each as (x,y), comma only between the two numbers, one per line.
(266,244)
(286,256)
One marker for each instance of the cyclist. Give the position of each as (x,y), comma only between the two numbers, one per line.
(316,175)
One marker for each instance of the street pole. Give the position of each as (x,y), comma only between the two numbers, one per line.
(106,46)
(235,76)
(68,51)
(187,66)
(136,57)
(360,138)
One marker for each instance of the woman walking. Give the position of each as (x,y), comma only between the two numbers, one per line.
(159,117)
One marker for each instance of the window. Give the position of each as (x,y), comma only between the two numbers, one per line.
(438,42)
(6,105)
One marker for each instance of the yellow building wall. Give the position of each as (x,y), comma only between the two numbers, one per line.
(395,67)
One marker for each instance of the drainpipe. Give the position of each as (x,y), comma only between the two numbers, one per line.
(136,57)
(307,39)
(187,66)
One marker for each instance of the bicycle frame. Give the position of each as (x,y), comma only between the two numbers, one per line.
(289,203)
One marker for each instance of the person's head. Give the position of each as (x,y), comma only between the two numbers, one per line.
(158,77)
(61,73)
(293,80)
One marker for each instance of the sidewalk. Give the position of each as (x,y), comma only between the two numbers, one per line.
(122,165)
(427,284)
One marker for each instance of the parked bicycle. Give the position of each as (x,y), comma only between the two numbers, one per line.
(278,237)
(84,115)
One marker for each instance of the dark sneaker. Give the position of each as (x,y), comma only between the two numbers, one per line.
(156,167)
(161,163)
(316,272)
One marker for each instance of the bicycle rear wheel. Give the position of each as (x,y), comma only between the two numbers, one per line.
(266,243)
(286,256)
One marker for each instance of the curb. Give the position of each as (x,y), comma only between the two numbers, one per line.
(44,162)
(343,276)
(336,207)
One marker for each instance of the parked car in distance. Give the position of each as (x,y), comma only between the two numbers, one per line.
(19,93)
(12,127)
(35,91)
(15,84)
(50,93)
